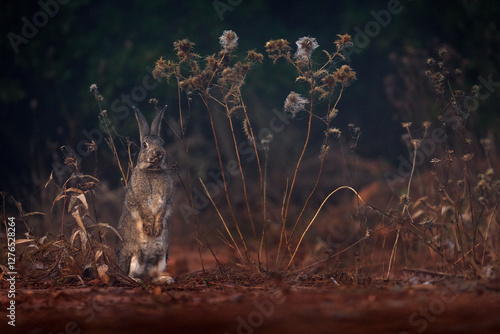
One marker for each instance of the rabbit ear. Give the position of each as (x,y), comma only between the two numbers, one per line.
(143,124)
(156,125)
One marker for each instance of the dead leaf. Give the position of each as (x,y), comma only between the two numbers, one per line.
(104,225)
(50,179)
(102,272)
(82,234)
(98,254)
(76,214)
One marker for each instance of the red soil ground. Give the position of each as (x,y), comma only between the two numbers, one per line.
(232,301)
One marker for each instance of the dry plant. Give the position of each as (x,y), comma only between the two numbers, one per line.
(455,222)
(217,81)
(85,254)
(452,220)
(323,82)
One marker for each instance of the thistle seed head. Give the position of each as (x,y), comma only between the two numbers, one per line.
(305,47)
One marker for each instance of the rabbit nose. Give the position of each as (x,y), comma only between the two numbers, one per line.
(159,154)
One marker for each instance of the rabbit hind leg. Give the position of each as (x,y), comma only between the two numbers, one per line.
(137,267)
(157,275)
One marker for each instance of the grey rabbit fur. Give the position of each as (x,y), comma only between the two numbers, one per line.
(143,224)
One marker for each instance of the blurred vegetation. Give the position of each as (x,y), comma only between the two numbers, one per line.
(45,101)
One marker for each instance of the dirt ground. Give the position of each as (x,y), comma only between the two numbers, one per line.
(238,301)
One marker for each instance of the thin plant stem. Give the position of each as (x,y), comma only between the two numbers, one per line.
(223,221)
(241,173)
(316,215)
(263,240)
(487,234)
(283,225)
(289,195)
(304,148)
(261,179)
(226,191)
(393,252)
(318,178)
(115,153)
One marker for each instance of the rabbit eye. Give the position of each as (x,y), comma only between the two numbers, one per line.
(144,145)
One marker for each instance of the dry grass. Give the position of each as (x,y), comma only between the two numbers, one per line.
(446,217)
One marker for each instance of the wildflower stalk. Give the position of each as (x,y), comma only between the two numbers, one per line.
(254,144)
(261,179)
(320,172)
(321,83)
(242,174)
(284,237)
(235,244)
(316,215)
(102,118)
(263,240)
(219,155)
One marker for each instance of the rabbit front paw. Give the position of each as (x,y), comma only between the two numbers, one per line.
(152,228)
(148,226)
(157,229)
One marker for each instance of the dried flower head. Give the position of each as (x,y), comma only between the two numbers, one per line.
(404,199)
(184,48)
(438,77)
(295,103)
(246,130)
(332,114)
(416,143)
(278,48)
(229,40)
(343,42)
(164,69)
(329,82)
(345,75)
(153,101)
(442,52)
(91,147)
(406,125)
(439,88)
(254,57)
(467,157)
(334,132)
(97,95)
(305,47)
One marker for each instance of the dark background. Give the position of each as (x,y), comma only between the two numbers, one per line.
(44,87)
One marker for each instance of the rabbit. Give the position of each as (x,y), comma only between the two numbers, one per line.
(143,225)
